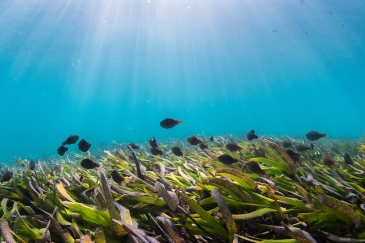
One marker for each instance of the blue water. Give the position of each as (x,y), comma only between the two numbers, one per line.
(112,70)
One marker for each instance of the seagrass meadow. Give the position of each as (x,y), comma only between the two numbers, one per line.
(269,195)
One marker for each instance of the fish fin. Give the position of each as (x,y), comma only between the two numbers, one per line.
(178,121)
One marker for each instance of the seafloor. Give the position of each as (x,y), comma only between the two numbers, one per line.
(262,192)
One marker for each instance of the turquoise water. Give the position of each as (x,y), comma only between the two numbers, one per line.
(112,70)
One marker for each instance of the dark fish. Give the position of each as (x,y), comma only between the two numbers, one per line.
(251,135)
(311,146)
(286,143)
(71,139)
(133,146)
(233,147)
(176,151)
(62,150)
(227,159)
(211,139)
(203,146)
(327,160)
(169,123)
(153,143)
(302,147)
(156,151)
(83,145)
(294,156)
(348,159)
(314,135)
(193,140)
(7,176)
(88,164)
(31,165)
(254,167)
(118,178)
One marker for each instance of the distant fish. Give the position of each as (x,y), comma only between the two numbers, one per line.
(71,139)
(117,177)
(133,146)
(286,143)
(7,176)
(156,151)
(294,156)
(227,159)
(169,123)
(327,160)
(203,146)
(83,145)
(348,159)
(62,150)
(194,140)
(31,165)
(153,142)
(302,147)
(176,151)
(233,147)
(211,139)
(88,164)
(251,135)
(311,146)
(254,167)
(314,135)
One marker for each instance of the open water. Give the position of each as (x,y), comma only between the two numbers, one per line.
(112,70)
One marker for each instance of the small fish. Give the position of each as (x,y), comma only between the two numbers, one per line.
(71,139)
(62,150)
(314,135)
(153,143)
(254,167)
(294,156)
(176,151)
(233,147)
(308,180)
(203,146)
(156,151)
(211,139)
(348,159)
(169,123)
(31,165)
(7,176)
(83,145)
(302,147)
(227,159)
(251,135)
(286,143)
(133,146)
(311,146)
(88,164)
(194,140)
(117,177)
(327,160)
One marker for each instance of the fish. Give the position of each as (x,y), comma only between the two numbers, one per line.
(314,135)
(203,146)
(153,142)
(62,150)
(286,143)
(169,123)
(233,147)
(176,151)
(88,164)
(194,140)
(117,177)
(156,151)
(254,167)
(211,139)
(227,159)
(302,147)
(83,145)
(71,139)
(348,159)
(294,156)
(7,176)
(133,146)
(311,146)
(251,135)
(327,160)
(31,165)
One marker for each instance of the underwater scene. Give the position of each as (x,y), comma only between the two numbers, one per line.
(182,121)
